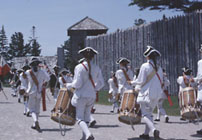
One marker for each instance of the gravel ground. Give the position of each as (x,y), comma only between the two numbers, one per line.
(15,126)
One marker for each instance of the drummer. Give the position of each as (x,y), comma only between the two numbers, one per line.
(149,88)
(186,80)
(123,75)
(198,79)
(87,81)
(113,90)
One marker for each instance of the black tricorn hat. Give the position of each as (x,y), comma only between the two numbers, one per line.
(150,50)
(122,59)
(34,61)
(88,49)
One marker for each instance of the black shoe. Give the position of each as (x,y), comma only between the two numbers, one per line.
(92,124)
(19,101)
(157,120)
(90,137)
(166,119)
(33,127)
(28,114)
(143,136)
(37,126)
(182,119)
(112,111)
(199,132)
(156,135)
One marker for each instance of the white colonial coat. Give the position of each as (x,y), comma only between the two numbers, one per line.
(81,82)
(112,87)
(24,82)
(122,82)
(198,79)
(41,76)
(152,91)
(67,79)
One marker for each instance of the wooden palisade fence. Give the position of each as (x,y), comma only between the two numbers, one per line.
(178,39)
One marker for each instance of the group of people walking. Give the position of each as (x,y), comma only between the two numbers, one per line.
(150,86)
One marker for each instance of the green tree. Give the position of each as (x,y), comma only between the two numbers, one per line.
(34,48)
(4,44)
(70,63)
(17,47)
(186,6)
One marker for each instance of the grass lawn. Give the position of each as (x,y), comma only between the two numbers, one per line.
(171,110)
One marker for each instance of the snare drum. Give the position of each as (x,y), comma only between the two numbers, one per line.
(188,104)
(129,111)
(63,111)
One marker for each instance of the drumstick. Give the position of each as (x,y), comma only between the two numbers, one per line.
(5,94)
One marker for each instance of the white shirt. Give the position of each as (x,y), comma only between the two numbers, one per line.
(112,87)
(41,76)
(81,82)
(151,89)
(24,82)
(122,82)
(182,85)
(67,79)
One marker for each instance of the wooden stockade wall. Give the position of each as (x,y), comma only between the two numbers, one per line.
(178,39)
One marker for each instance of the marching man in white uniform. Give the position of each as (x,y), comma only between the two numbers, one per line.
(149,85)
(123,75)
(113,92)
(160,109)
(36,79)
(24,86)
(87,81)
(198,79)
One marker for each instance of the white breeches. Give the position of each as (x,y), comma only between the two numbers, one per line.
(160,109)
(147,110)
(34,103)
(83,109)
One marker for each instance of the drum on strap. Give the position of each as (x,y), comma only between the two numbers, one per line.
(188,104)
(63,111)
(129,111)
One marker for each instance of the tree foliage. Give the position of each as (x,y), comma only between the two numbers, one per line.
(34,47)
(17,47)
(186,6)
(3,44)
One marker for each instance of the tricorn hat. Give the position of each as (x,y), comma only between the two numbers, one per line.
(150,50)
(186,70)
(64,70)
(35,61)
(88,49)
(122,59)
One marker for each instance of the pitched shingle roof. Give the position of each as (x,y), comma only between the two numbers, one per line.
(89,25)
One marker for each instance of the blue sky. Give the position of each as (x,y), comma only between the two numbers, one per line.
(52,18)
